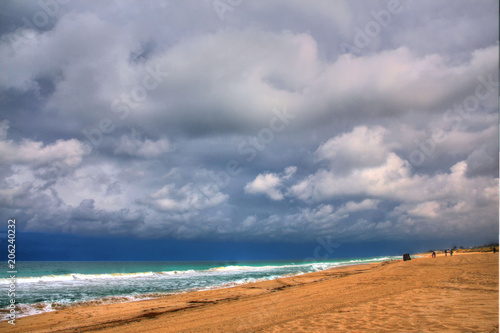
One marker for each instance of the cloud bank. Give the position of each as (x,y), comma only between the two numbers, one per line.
(176,120)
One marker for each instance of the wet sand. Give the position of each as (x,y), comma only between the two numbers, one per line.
(444,294)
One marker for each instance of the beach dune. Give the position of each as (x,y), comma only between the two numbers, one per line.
(444,294)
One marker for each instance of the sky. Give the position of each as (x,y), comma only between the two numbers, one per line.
(236,129)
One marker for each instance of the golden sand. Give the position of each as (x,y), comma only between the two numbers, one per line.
(444,294)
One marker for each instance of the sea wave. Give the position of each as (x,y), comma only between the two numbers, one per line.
(55,292)
(230,269)
(23,310)
(78,276)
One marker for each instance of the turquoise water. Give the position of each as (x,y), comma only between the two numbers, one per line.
(48,286)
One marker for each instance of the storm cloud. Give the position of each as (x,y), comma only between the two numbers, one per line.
(251,120)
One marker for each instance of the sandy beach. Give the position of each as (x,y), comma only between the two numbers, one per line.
(445,294)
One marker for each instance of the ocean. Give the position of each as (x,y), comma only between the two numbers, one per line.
(43,286)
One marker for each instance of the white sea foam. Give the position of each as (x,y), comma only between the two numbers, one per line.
(313,266)
(24,310)
(81,277)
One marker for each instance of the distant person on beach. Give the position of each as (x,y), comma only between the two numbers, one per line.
(445,253)
(451,252)
(494,250)
(433,254)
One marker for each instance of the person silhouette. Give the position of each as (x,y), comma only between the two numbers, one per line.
(445,253)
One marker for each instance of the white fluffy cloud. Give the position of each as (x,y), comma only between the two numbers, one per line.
(362,146)
(267,184)
(188,197)
(384,174)
(270,184)
(69,152)
(436,201)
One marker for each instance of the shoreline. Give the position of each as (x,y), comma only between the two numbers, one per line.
(121,299)
(422,294)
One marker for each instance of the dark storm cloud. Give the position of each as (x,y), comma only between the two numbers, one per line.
(268,120)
